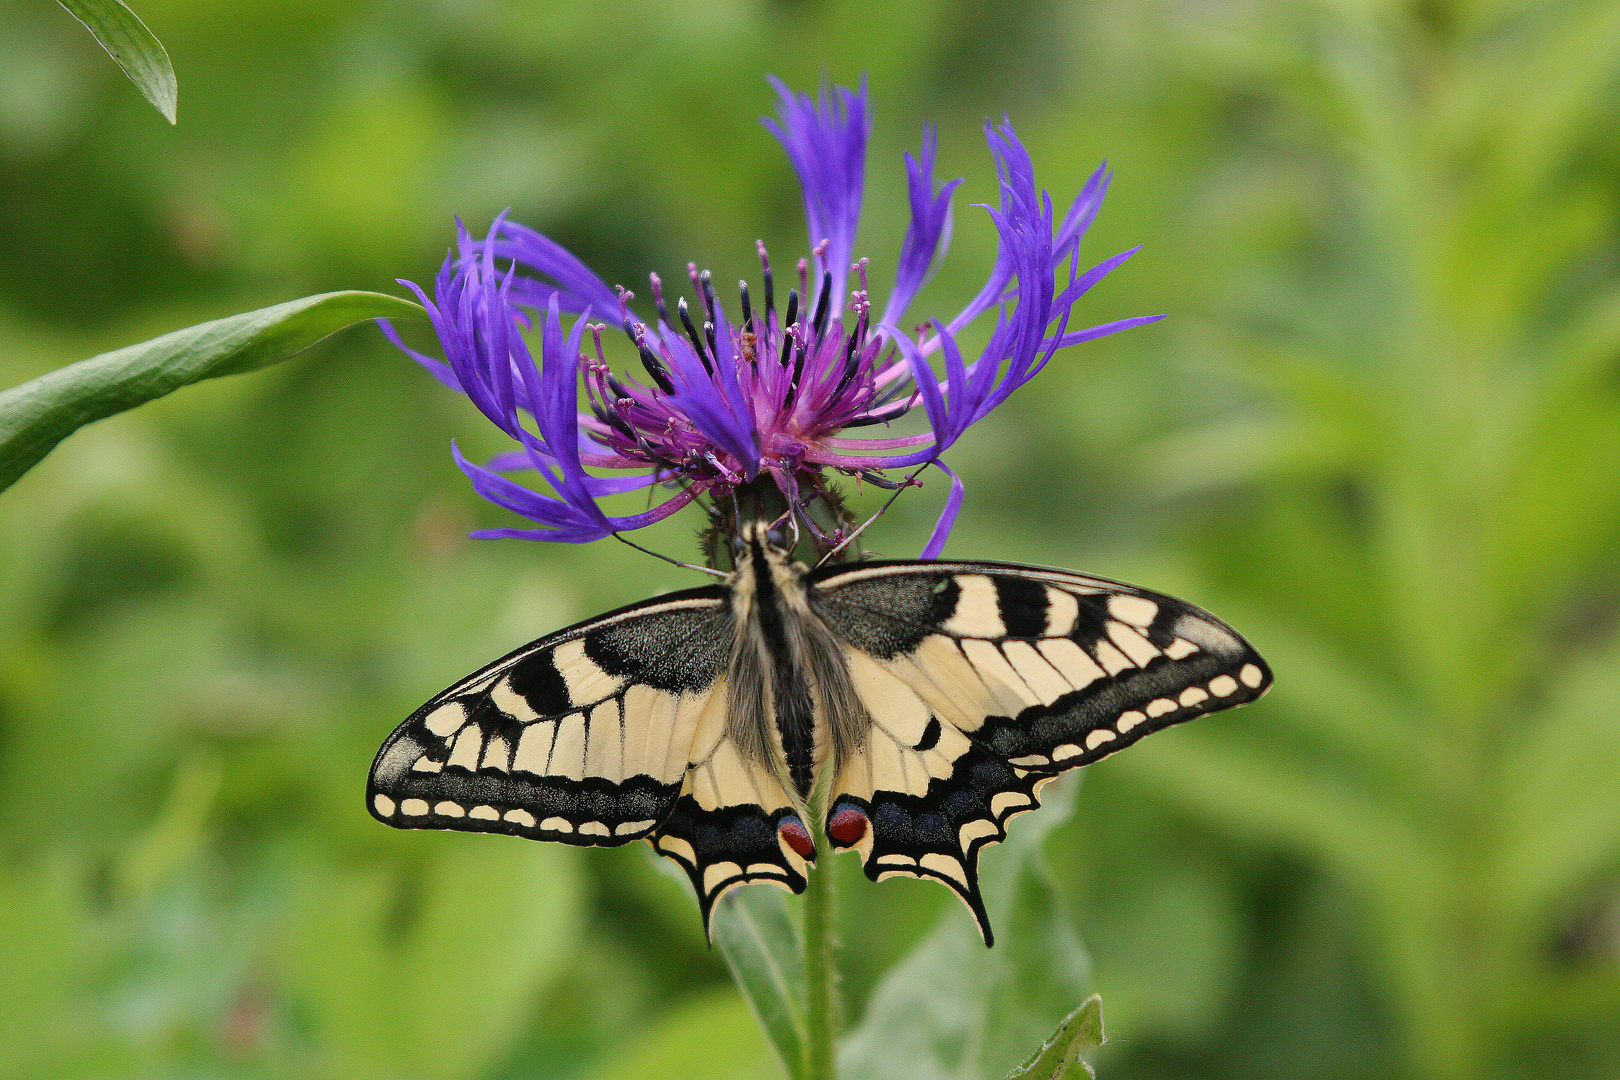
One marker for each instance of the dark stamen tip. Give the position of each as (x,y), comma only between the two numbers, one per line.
(692,335)
(823,305)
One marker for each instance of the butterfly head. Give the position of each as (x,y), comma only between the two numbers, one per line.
(762,540)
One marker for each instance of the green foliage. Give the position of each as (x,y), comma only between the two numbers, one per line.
(755,931)
(37,415)
(1081,1030)
(134,48)
(1379,435)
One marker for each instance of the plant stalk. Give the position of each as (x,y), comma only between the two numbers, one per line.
(821,975)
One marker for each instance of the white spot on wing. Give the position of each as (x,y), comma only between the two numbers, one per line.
(426,764)
(1250,676)
(510,702)
(1040,676)
(1062,611)
(464,755)
(1098,737)
(384,805)
(534,747)
(587,683)
(594,828)
(1223,685)
(973,830)
(1065,752)
(1071,661)
(520,817)
(1112,660)
(604,755)
(1159,706)
(496,755)
(446,719)
(719,872)
(944,864)
(1193,695)
(978,613)
(1128,720)
(1180,649)
(628,827)
(449,809)
(568,754)
(1132,644)
(1012,692)
(484,813)
(414,807)
(674,845)
(557,824)
(1133,609)
(1003,801)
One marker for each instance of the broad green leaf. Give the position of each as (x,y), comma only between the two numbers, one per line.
(37,415)
(764,949)
(1081,1030)
(133,48)
(954,1010)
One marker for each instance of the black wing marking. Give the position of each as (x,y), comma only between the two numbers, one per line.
(582,737)
(985,680)
(733,823)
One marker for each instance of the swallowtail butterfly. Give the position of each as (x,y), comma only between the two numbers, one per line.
(927,701)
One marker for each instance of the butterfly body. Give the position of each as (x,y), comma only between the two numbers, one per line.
(922,704)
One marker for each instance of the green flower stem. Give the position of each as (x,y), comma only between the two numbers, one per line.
(821,975)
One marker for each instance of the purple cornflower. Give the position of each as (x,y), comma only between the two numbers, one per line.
(724,404)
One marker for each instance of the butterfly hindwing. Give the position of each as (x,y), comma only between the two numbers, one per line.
(581,737)
(733,823)
(984,681)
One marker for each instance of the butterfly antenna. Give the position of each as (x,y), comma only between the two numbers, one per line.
(683,565)
(898,488)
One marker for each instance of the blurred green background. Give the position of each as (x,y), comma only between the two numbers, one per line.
(1380,434)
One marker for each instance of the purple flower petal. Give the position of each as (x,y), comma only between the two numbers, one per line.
(929,235)
(947,516)
(565,277)
(826,142)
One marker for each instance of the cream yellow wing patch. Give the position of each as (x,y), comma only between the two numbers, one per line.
(582,737)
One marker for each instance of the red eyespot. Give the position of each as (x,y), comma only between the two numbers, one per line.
(792,830)
(847,825)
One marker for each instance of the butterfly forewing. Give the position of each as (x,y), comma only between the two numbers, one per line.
(606,732)
(983,681)
(582,736)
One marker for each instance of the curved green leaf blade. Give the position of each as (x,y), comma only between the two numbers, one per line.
(37,415)
(954,1010)
(133,47)
(1080,1030)
(764,949)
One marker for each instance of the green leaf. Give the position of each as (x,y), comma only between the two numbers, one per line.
(764,949)
(37,415)
(133,47)
(953,1010)
(1080,1030)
